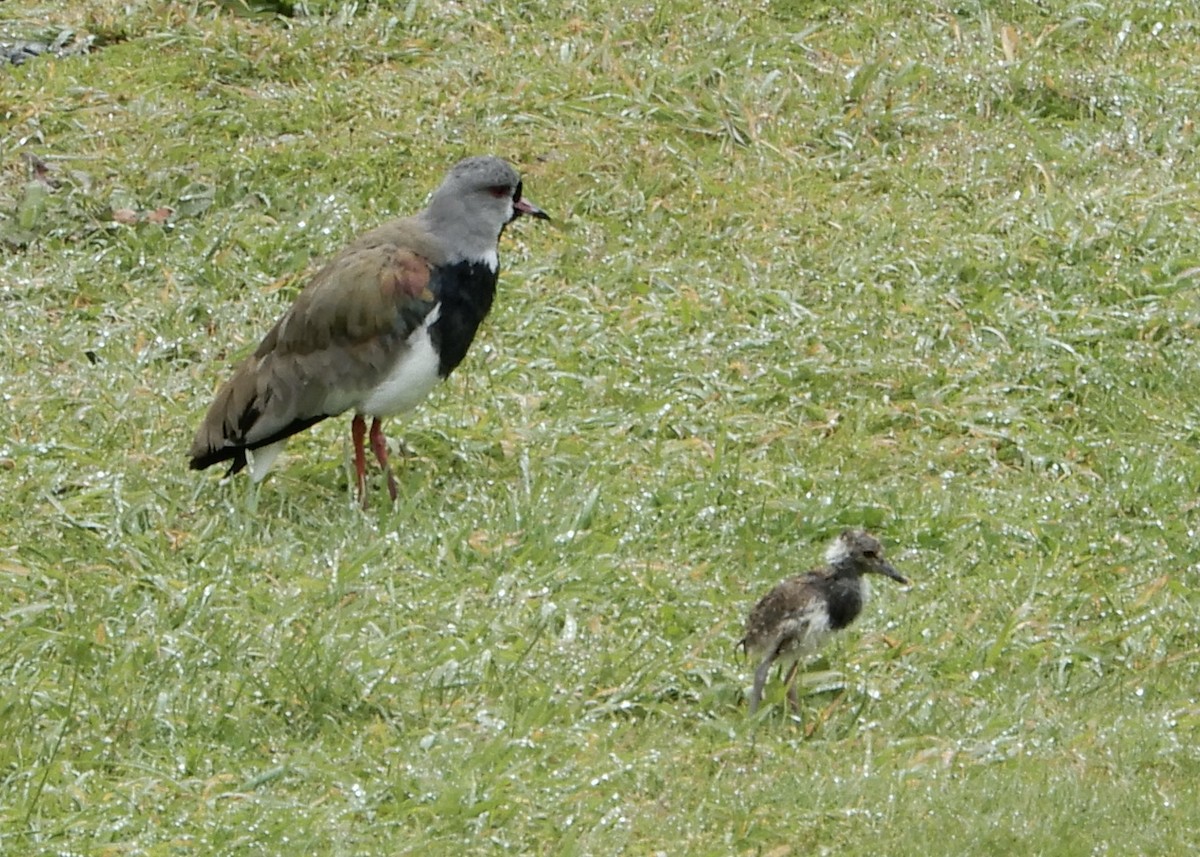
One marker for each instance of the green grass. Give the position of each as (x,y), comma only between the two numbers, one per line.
(926,269)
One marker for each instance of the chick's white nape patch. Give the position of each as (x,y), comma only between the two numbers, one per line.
(838,552)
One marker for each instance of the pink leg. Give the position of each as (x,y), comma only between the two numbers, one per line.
(379,445)
(358,430)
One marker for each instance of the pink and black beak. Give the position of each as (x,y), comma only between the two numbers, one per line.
(524,206)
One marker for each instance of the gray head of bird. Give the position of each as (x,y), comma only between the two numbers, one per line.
(477,199)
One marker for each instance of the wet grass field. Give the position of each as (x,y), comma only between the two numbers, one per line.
(926,269)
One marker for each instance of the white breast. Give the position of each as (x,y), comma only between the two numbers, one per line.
(804,633)
(411,379)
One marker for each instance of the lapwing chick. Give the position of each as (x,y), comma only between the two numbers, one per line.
(374,330)
(799,615)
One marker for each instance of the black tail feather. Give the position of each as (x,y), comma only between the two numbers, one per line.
(236,454)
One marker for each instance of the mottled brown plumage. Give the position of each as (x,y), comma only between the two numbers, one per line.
(798,616)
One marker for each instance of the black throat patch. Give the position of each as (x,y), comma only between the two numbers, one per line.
(844,600)
(465,290)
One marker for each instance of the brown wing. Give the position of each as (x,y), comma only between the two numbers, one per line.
(787,599)
(336,342)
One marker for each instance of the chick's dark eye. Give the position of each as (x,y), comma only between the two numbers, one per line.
(499,191)
(870,554)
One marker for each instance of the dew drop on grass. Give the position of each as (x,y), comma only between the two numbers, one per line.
(570,629)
